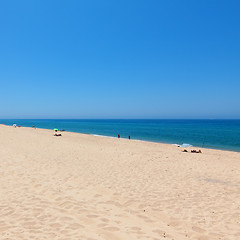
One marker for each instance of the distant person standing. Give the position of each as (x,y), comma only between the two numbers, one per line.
(129,137)
(118,136)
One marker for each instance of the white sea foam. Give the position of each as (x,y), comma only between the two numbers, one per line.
(102,136)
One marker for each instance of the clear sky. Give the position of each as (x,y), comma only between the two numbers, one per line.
(120,59)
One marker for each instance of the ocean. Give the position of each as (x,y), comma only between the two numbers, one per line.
(216,134)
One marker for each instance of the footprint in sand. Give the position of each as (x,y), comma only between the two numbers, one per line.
(198,229)
(104,219)
(55,225)
(92,216)
(136,228)
(111,229)
(102,225)
(75,226)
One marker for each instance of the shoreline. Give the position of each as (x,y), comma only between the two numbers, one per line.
(132,139)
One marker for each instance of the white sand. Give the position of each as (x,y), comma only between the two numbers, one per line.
(87,187)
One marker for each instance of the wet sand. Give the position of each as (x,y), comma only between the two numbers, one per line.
(89,187)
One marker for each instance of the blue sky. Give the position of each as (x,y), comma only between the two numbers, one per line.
(120,59)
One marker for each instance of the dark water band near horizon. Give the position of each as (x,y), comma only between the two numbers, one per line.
(216,134)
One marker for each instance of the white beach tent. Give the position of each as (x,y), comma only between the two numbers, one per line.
(185,145)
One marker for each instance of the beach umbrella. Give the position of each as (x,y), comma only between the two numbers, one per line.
(55,129)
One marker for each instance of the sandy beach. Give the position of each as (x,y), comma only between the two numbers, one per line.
(90,187)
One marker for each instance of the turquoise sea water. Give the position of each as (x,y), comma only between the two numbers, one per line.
(217,134)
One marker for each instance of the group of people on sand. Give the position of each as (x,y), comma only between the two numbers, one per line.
(193,151)
(128,136)
(56,132)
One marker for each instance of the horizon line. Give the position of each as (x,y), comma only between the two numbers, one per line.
(119,118)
